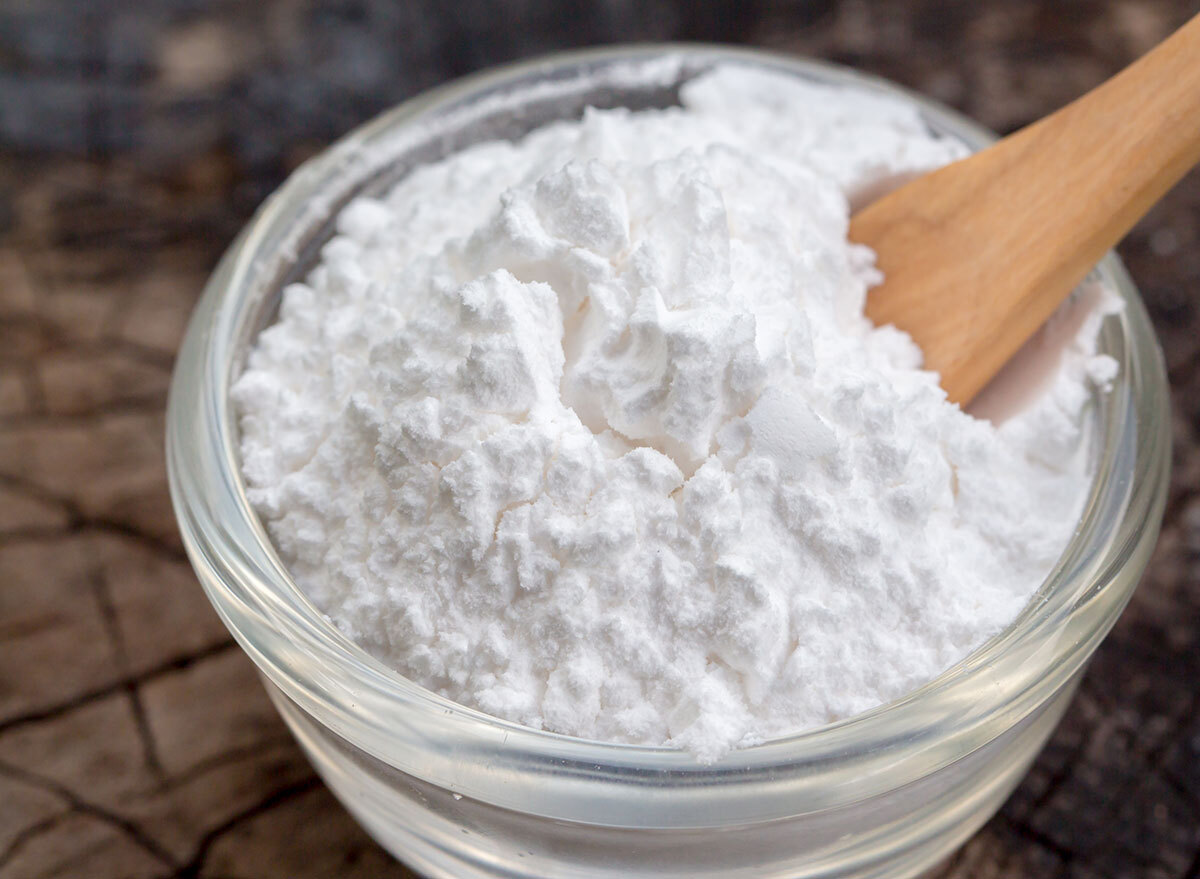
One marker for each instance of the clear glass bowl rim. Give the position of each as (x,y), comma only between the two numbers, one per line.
(417,731)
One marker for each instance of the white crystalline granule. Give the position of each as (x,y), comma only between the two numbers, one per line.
(589,431)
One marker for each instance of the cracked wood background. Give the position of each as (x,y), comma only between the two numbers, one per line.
(136,137)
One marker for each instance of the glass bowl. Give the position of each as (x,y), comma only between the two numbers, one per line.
(456,793)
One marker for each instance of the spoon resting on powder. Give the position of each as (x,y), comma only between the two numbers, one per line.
(978,254)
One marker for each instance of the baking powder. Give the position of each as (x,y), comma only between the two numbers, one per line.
(589,431)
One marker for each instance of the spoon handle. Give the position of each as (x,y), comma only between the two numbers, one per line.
(978,254)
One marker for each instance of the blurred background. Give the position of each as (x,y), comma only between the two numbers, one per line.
(137,136)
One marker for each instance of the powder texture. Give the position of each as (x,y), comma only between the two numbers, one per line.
(589,432)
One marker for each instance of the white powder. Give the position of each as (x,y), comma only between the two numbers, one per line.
(589,431)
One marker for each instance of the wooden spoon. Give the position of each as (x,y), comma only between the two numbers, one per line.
(978,254)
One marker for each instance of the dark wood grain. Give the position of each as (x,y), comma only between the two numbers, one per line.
(135,139)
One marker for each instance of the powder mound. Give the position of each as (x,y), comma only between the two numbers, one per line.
(589,431)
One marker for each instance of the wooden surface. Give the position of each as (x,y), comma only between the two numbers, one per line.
(135,740)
